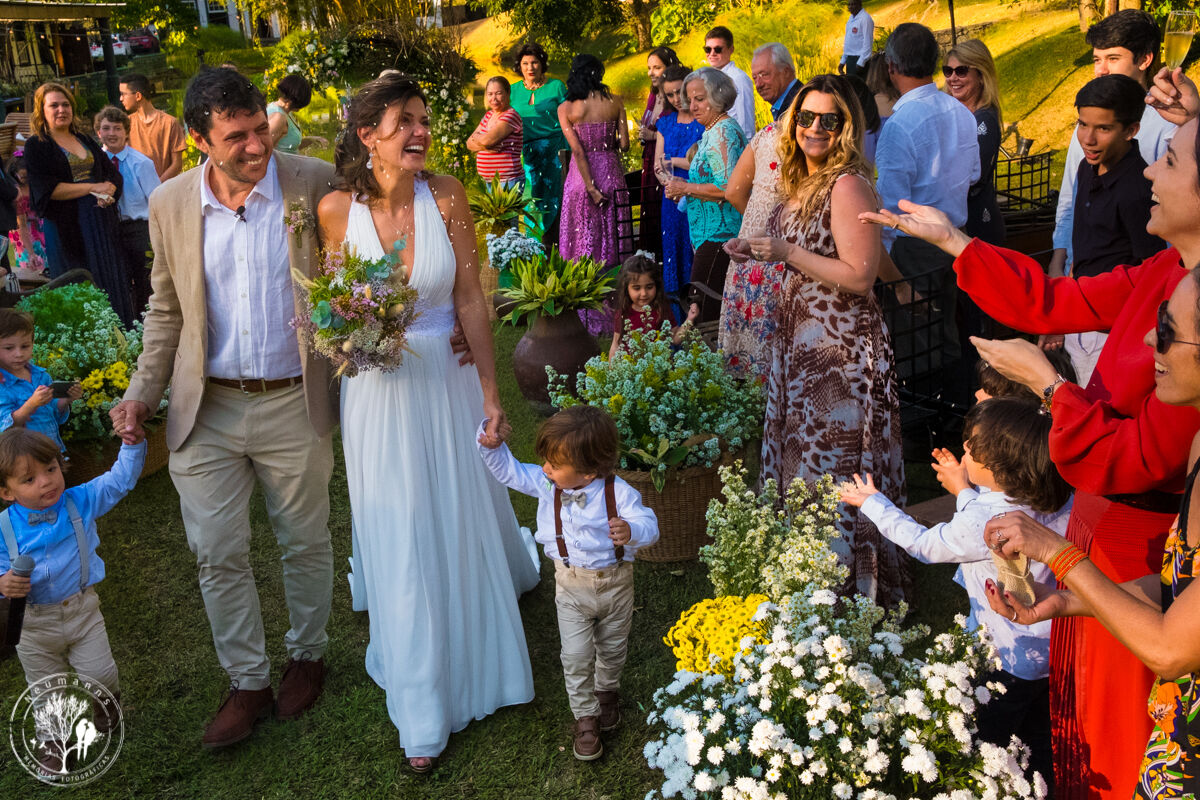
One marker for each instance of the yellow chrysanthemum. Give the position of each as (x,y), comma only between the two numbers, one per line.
(708,635)
(94,381)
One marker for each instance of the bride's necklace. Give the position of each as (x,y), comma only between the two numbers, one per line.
(401,232)
(720,117)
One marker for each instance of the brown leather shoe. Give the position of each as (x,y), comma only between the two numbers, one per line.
(236,717)
(106,715)
(301,685)
(610,710)
(588,746)
(49,759)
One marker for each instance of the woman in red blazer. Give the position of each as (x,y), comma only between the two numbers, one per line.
(1123,450)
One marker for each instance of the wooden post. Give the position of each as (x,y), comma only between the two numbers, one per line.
(953,31)
(111,83)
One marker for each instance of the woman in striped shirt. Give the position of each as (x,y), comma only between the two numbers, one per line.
(497,141)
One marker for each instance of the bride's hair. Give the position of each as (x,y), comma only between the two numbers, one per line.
(367,109)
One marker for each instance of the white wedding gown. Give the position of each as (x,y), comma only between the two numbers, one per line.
(439,559)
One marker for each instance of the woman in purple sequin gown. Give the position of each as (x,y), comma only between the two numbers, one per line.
(593,120)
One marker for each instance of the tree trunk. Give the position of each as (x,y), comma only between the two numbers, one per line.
(639,14)
(1134,4)
(1111,7)
(1089,14)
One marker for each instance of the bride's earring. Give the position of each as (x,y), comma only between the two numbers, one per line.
(370,159)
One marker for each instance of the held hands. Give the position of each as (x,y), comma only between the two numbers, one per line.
(458,344)
(1018,360)
(13,586)
(1174,96)
(618,531)
(127,418)
(856,493)
(951,474)
(491,442)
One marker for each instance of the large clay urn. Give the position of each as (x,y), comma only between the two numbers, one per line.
(560,342)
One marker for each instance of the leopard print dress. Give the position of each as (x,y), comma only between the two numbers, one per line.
(832,405)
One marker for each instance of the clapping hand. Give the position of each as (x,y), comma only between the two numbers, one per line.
(856,493)
(619,532)
(951,474)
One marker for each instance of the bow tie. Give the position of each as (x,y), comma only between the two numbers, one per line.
(578,498)
(38,517)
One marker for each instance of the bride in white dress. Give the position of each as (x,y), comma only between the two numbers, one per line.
(438,553)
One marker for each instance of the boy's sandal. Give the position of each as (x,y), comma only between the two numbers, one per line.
(422,765)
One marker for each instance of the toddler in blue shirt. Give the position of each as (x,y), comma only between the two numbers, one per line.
(26,398)
(56,526)
(591,523)
(1006,467)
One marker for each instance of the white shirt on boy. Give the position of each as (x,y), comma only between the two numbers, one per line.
(585,530)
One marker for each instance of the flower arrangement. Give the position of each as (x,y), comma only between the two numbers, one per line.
(510,246)
(709,634)
(824,697)
(761,544)
(674,406)
(320,57)
(449,111)
(78,337)
(357,311)
(551,285)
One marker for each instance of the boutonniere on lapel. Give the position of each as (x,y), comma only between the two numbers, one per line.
(299,219)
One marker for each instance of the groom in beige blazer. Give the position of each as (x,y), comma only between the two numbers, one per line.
(247,403)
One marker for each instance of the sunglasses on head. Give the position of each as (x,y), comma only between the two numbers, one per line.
(830,121)
(961,71)
(718,49)
(1164,334)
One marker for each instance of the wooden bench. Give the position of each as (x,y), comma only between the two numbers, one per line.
(22,120)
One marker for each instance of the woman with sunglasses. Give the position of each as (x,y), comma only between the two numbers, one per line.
(1154,615)
(1123,449)
(832,405)
(971,79)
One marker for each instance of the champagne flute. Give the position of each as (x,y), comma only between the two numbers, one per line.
(1181,27)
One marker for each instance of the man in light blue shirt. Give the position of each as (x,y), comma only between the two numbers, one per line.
(928,154)
(141,178)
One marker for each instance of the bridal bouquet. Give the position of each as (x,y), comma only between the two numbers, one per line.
(358,311)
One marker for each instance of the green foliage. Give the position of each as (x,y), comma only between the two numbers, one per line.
(558,25)
(552,285)
(674,406)
(495,207)
(671,19)
(757,548)
(163,14)
(78,337)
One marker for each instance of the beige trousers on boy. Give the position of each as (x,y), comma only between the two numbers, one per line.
(239,439)
(60,637)
(595,612)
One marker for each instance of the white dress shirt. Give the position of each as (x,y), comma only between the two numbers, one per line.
(928,153)
(248,284)
(1023,649)
(742,109)
(860,37)
(140,178)
(585,530)
(1153,136)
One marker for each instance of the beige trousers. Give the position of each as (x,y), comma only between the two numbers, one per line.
(60,637)
(237,439)
(595,612)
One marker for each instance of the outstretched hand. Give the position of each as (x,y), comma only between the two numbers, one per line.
(922,222)
(856,493)
(951,473)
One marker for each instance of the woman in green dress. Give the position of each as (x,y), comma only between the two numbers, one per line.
(536,98)
(294,93)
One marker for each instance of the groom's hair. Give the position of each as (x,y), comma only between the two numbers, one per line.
(582,437)
(218,91)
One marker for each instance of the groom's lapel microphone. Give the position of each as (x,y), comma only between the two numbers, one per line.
(240,213)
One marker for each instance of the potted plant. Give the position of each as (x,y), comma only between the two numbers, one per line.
(553,289)
(680,414)
(78,337)
(498,208)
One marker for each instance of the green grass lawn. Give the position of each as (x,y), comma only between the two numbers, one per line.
(346,746)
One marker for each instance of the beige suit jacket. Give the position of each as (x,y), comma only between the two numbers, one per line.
(176,336)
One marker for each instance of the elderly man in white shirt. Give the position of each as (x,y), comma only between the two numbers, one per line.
(718,50)
(928,153)
(859,40)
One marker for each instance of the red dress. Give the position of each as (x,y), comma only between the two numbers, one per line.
(1125,452)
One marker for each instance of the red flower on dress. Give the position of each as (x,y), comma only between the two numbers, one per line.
(756,275)
(773,164)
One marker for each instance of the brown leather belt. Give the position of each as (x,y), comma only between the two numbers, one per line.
(257,385)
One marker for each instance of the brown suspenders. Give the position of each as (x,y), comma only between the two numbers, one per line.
(610,504)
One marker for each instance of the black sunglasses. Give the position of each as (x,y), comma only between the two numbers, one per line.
(961,71)
(830,121)
(717,49)
(1164,334)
